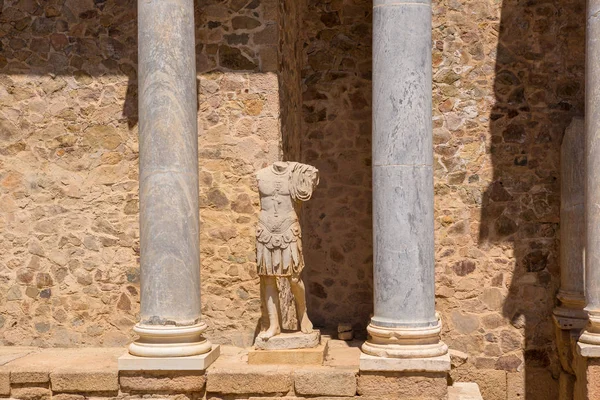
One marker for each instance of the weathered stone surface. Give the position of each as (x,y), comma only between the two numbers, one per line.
(28,375)
(31,393)
(426,364)
(4,383)
(259,379)
(464,391)
(290,340)
(162,381)
(325,382)
(492,383)
(413,386)
(309,356)
(84,382)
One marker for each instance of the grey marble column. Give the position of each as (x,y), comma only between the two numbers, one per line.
(170,323)
(570,313)
(405,323)
(592,186)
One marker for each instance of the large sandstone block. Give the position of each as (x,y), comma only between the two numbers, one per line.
(405,385)
(29,376)
(84,382)
(162,381)
(325,382)
(4,383)
(313,356)
(31,393)
(254,380)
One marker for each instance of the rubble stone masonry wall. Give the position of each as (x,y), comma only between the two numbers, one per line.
(69,249)
(508,78)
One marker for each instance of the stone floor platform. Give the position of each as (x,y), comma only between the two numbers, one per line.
(76,374)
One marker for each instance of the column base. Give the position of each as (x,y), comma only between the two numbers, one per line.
(201,362)
(169,341)
(570,314)
(591,335)
(421,342)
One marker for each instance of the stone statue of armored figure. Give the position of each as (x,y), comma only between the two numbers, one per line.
(278,239)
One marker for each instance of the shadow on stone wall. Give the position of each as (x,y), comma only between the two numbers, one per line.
(538,88)
(336,138)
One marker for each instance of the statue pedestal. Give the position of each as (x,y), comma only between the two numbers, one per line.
(289,340)
(295,348)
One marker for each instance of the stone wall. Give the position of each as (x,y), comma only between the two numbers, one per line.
(508,78)
(336,139)
(68,166)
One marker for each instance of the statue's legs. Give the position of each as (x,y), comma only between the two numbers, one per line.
(271,302)
(299,292)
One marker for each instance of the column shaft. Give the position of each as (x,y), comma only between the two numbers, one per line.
(403,225)
(169,222)
(592,160)
(570,313)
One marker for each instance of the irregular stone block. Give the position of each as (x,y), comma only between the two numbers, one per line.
(405,385)
(492,383)
(464,391)
(256,380)
(325,382)
(159,381)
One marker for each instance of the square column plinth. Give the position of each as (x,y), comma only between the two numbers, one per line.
(201,362)
(408,378)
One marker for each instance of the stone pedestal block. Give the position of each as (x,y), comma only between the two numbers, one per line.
(311,356)
(153,382)
(325,382)
(290,340)
(404,385)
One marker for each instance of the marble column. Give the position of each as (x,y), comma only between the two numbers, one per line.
(592,185)
(570,313)
(170,316)
(405,324)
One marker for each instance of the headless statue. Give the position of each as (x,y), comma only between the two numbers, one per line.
(278,238)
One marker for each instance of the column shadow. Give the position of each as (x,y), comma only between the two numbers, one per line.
(538,88)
